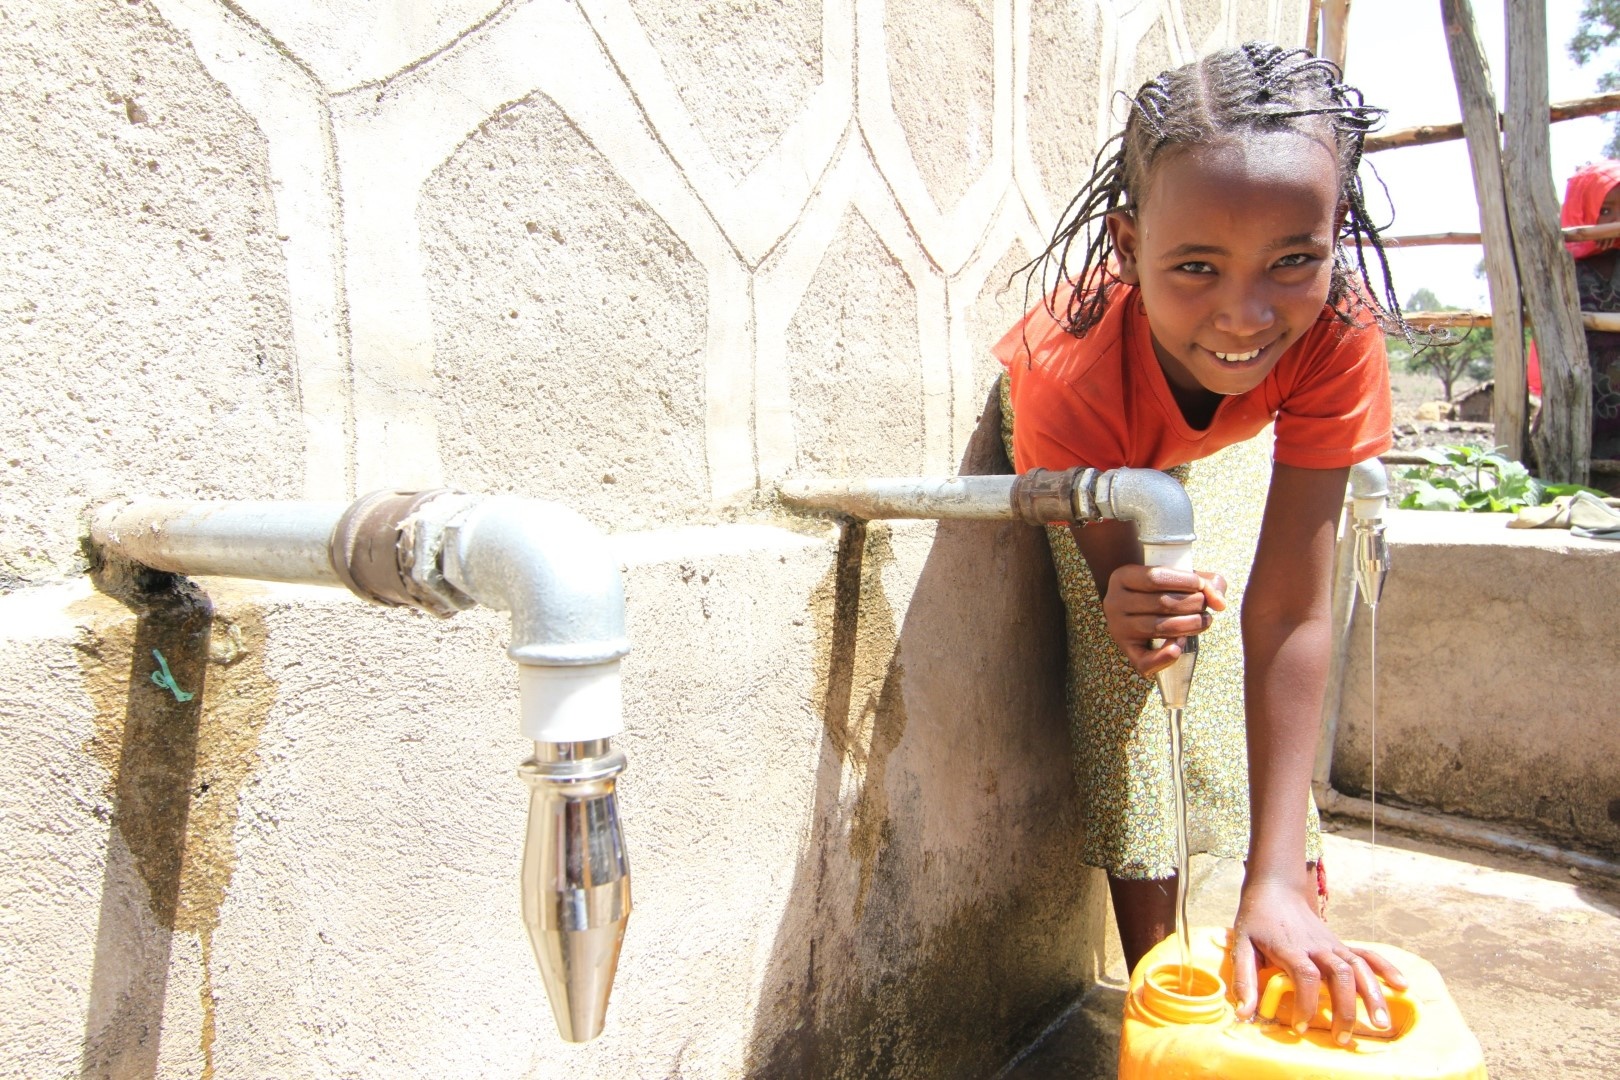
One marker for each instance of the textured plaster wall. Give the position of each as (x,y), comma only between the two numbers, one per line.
(147,337)
(647,257)
(1472,715)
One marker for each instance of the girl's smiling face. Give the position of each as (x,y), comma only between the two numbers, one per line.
(1232,248)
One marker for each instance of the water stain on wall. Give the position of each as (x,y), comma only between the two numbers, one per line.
(174,767)
(860,674)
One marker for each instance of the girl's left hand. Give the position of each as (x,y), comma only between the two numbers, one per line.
(1276,922)
(1143,604)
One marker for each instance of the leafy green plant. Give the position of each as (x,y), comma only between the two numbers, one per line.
(1468,478)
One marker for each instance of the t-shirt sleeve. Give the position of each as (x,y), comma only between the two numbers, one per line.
(1055,424)
(1336,410)
(1055,428)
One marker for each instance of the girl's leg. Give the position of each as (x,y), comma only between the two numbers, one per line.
(1144,911)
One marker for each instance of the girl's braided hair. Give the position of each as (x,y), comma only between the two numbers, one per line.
(1255,87)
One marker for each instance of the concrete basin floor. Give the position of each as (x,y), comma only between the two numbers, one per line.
(1530,952)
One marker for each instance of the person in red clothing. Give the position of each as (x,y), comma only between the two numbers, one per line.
(1592,197)
(1221,287)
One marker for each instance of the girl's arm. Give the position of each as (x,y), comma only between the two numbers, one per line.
(1286,641)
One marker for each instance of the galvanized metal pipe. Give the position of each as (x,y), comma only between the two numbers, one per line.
(1155,501)
(441,552)
(269,541)
(985,498)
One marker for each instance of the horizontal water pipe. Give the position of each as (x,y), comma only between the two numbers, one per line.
(1153,500)
(443,551)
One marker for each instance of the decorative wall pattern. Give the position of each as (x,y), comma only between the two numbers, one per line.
(732,141)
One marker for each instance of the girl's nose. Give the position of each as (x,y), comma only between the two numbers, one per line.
(1245,312)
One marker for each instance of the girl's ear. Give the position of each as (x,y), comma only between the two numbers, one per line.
(1339,214)
(1122,231)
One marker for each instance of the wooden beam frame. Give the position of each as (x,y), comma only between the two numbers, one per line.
(1424,134)
(1563,435)
(1607,321)
(1574,232)
(1477,100)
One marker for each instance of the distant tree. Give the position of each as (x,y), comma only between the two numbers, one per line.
(1424,300)
(1597,29)
(1465,356)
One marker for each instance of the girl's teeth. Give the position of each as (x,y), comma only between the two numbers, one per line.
(1237,357)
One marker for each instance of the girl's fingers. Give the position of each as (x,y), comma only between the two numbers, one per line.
(1243,978)
(1170,628)
(1369,990)
(1342,980)
(1147,660)
(1307,986)
(1382,968)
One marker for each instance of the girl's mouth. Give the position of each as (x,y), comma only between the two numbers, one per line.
(1237,357)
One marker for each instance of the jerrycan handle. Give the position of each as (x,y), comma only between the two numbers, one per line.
(1403,1010)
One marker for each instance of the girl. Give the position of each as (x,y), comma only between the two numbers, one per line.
(1216,298)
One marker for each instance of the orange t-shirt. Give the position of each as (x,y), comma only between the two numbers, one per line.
(1103,400)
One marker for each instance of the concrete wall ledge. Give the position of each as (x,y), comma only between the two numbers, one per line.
(1427,528)
(1494,689)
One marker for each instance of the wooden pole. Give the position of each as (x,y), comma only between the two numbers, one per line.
(1424,134)
(1574,232)
(1431,239)
(1313,26)
(1591,232)
(1335,30)
(1478,103)
(1546,271)
(1607,321)
(1447,320)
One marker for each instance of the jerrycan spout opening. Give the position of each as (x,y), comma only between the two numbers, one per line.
(1184,995)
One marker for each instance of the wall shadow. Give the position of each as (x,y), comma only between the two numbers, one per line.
(939,918)
(149,740)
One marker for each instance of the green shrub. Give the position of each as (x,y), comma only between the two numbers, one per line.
(1471,479)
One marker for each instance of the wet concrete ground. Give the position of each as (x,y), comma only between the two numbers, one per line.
(1530,953)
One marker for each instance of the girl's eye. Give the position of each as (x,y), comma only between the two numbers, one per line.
(1299,258)
(1196,268)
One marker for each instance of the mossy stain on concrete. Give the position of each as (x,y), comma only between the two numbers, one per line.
(175,769)
(859,678)
(957,999)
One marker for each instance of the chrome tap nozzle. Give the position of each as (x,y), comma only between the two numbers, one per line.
(576,879)
(1175,681)
(1372,560)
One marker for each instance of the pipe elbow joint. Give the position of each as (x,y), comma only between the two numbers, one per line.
(548,567)
(1155,501)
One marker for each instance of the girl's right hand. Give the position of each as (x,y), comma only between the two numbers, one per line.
(1147,602)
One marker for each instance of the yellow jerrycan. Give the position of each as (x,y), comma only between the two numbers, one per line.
(1171,1035)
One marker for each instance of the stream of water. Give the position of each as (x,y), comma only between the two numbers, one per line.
(1372,766)
(1178,783)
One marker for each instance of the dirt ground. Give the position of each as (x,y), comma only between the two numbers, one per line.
(1411,391)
